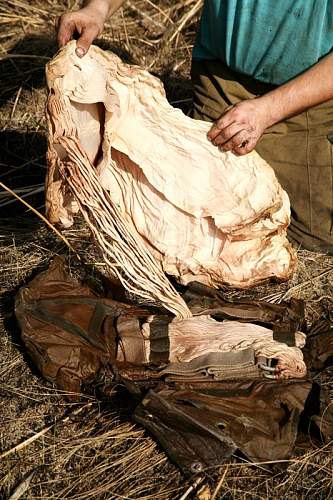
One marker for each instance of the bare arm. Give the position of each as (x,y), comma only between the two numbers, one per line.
(246,122)
(87,22)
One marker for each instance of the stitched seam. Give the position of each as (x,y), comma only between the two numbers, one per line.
(308,166)
(331,229)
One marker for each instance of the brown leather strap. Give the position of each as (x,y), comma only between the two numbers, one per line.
(159,340)
(285,334)
(131,343)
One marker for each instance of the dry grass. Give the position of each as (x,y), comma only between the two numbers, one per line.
(99,453)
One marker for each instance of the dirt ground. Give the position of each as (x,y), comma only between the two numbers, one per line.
(92,449)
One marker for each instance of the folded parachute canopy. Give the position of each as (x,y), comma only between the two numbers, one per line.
(157,195)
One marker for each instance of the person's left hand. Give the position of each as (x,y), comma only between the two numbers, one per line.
(240,127)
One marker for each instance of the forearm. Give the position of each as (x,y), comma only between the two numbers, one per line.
(313,87)
(105,7)
(240,128)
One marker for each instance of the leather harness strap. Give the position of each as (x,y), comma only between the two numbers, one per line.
(131,343)
(159,340)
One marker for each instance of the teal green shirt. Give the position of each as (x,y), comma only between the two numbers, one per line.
(270,40)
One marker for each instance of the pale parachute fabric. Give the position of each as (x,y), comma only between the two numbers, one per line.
(203,335)
(195,213)
(125,255)
(196,336)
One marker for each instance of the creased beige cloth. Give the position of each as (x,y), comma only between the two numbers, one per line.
(202,214)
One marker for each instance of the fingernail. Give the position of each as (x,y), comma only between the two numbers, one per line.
(80,52)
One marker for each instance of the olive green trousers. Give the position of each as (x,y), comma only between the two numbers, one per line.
(299,149)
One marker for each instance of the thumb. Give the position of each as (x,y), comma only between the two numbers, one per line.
(87,37)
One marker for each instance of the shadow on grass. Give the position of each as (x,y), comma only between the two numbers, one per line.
(23,170)
(24,68)
(22,154)
(27,73)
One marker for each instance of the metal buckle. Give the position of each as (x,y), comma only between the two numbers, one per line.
(268,370)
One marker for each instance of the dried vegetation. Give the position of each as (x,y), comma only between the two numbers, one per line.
(97,452)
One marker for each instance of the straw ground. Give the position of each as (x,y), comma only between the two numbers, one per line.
(92,449)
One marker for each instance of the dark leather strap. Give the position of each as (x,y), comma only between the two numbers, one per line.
(159,340)
(131,343)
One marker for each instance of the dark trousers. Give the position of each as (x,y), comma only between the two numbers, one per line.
(299,149)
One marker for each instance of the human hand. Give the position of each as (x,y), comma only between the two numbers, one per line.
(88,23)
(241,126)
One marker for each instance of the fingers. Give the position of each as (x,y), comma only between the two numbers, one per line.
(86,23)
(234,138)
(66,28)
(226,119)
(227,133)
(244,150)
(87,37)
(240,127)
(238,141)
(240,144)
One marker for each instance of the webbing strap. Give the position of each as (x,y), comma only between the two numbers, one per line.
(64,324)
(217,366)
(131,343)
(93,336)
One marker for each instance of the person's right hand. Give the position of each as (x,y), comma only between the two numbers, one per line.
(87,23)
